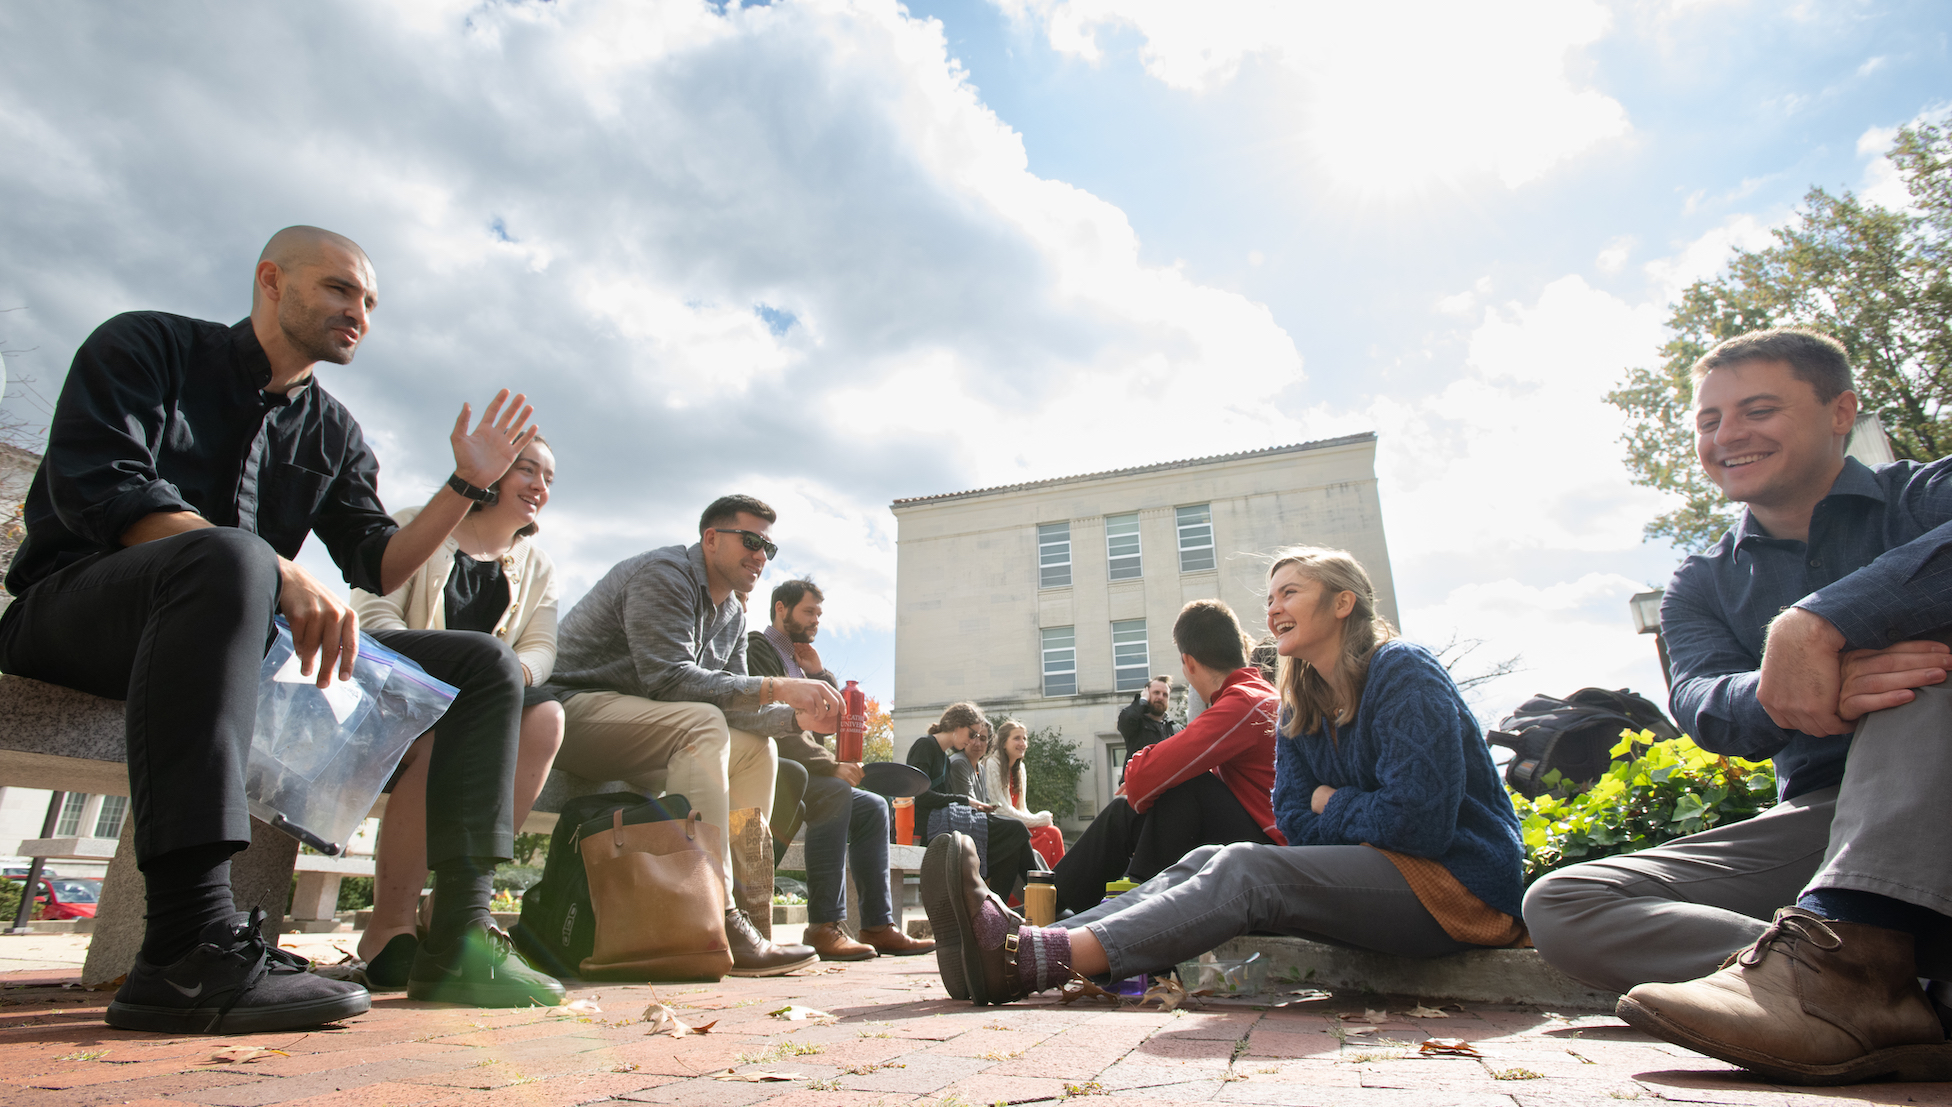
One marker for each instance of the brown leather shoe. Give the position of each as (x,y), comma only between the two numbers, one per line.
(890,941)
(985,929)
(755,956)
(1811,1002)
(832,944)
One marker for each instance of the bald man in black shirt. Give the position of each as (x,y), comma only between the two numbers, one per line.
(185,465)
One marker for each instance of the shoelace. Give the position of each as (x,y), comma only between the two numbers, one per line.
(1786,932)
(268,959)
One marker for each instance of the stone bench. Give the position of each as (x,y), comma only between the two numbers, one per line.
(1489,976)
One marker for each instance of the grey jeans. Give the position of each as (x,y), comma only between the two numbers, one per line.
(1676,911)
(1347,894)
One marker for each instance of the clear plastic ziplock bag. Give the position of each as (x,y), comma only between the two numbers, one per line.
(319,757)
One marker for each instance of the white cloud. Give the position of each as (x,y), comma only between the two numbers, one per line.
(1394,95)
(1705,256)
(1615,253)
(786,250)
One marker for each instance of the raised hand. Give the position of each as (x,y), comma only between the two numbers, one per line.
(808,659)
(481,456)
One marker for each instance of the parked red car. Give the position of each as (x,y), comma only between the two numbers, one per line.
(65,898)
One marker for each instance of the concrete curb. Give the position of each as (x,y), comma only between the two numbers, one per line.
(1501,976)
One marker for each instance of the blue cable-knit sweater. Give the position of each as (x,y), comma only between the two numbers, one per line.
(1412,774)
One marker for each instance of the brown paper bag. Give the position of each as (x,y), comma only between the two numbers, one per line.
(658,899)
(752,868)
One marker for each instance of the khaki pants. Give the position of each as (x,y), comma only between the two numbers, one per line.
(611,736)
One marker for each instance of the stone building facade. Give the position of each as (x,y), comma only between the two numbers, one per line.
(1052,601)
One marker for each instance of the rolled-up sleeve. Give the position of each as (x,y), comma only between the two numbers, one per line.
(352,522)
(1714,674)
(1907,590)
(109,423)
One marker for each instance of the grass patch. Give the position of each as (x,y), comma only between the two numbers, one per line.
(779,1051)
(1385,1055)
(87,1055)
(1516,1074)
(831,1084)
(1089,1087)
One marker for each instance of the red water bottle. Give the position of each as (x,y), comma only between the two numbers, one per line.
(853,722)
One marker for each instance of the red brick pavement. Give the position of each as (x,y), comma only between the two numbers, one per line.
(898,1040)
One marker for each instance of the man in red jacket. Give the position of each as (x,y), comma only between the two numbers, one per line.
(1207,785)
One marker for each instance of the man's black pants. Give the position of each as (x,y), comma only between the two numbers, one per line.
(179,628)
(1122,842)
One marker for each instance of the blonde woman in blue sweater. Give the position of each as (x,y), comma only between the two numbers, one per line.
(1401,838)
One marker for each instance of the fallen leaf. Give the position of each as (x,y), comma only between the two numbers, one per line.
(1080,988)
(1421,1012)
(1309,995)
(1168,992)
(663,1020)
(1371,1015)
(793,1012)
(1448,1047)
(109,985)
(243,1055)
(575,1007)
(758,1077)
(1362,1030)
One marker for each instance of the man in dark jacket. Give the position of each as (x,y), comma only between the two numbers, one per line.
(1143,721)
(844,823)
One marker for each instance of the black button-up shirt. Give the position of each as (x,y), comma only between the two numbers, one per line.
(162,413)
(1875,565)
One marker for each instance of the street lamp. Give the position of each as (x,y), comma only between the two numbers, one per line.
(1646,610)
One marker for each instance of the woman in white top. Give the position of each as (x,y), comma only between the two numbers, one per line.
(488,578)
(1009,784)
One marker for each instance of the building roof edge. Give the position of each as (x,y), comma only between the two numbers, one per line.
(1187,463)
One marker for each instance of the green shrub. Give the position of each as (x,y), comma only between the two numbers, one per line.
(516,878)
(355,893)
(1053,768)
(529,847)
(1663,791)
(9,902)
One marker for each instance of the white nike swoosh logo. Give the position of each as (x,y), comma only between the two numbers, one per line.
(451,972)
(191,993)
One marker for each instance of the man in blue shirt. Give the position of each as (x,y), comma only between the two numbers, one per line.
(1808,620)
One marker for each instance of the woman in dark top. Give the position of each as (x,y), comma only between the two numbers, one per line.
(488,578)
(1002,845)
(1401,837)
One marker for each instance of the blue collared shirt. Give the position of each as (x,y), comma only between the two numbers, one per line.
(1874,565)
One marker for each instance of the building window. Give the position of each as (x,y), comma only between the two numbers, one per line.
(69,824)
(108,823)
(1122,545)
(1054,555)
(1195,538)
(1060,661)
(1128,654)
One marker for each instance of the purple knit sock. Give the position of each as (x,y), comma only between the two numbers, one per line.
(1043,957)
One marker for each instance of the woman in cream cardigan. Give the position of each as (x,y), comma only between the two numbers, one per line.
(1009,788)
(489,578)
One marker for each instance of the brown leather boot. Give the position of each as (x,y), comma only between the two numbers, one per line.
(944,881)
(985,929)
(1811,1002)
(891,942)
(833,944)
(755,956)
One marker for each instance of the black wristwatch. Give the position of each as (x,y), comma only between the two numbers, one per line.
(478,495)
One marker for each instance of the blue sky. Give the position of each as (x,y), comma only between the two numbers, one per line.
(837,253)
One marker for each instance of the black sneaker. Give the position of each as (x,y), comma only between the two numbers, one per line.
(233,981)
(481,969)
(388,970)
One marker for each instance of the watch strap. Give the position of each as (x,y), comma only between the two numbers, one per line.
(478,495)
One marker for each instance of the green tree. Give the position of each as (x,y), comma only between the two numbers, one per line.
(1878,280)
(1053,769)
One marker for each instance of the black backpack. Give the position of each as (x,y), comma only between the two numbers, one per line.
(558,927)
(1574,736)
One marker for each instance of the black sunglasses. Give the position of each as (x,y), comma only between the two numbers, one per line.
(753,540)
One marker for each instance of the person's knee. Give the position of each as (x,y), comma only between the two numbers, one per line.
(234,559)
(542,729)
(1557,906)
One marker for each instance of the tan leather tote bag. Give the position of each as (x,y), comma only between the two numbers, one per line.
(658,899)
